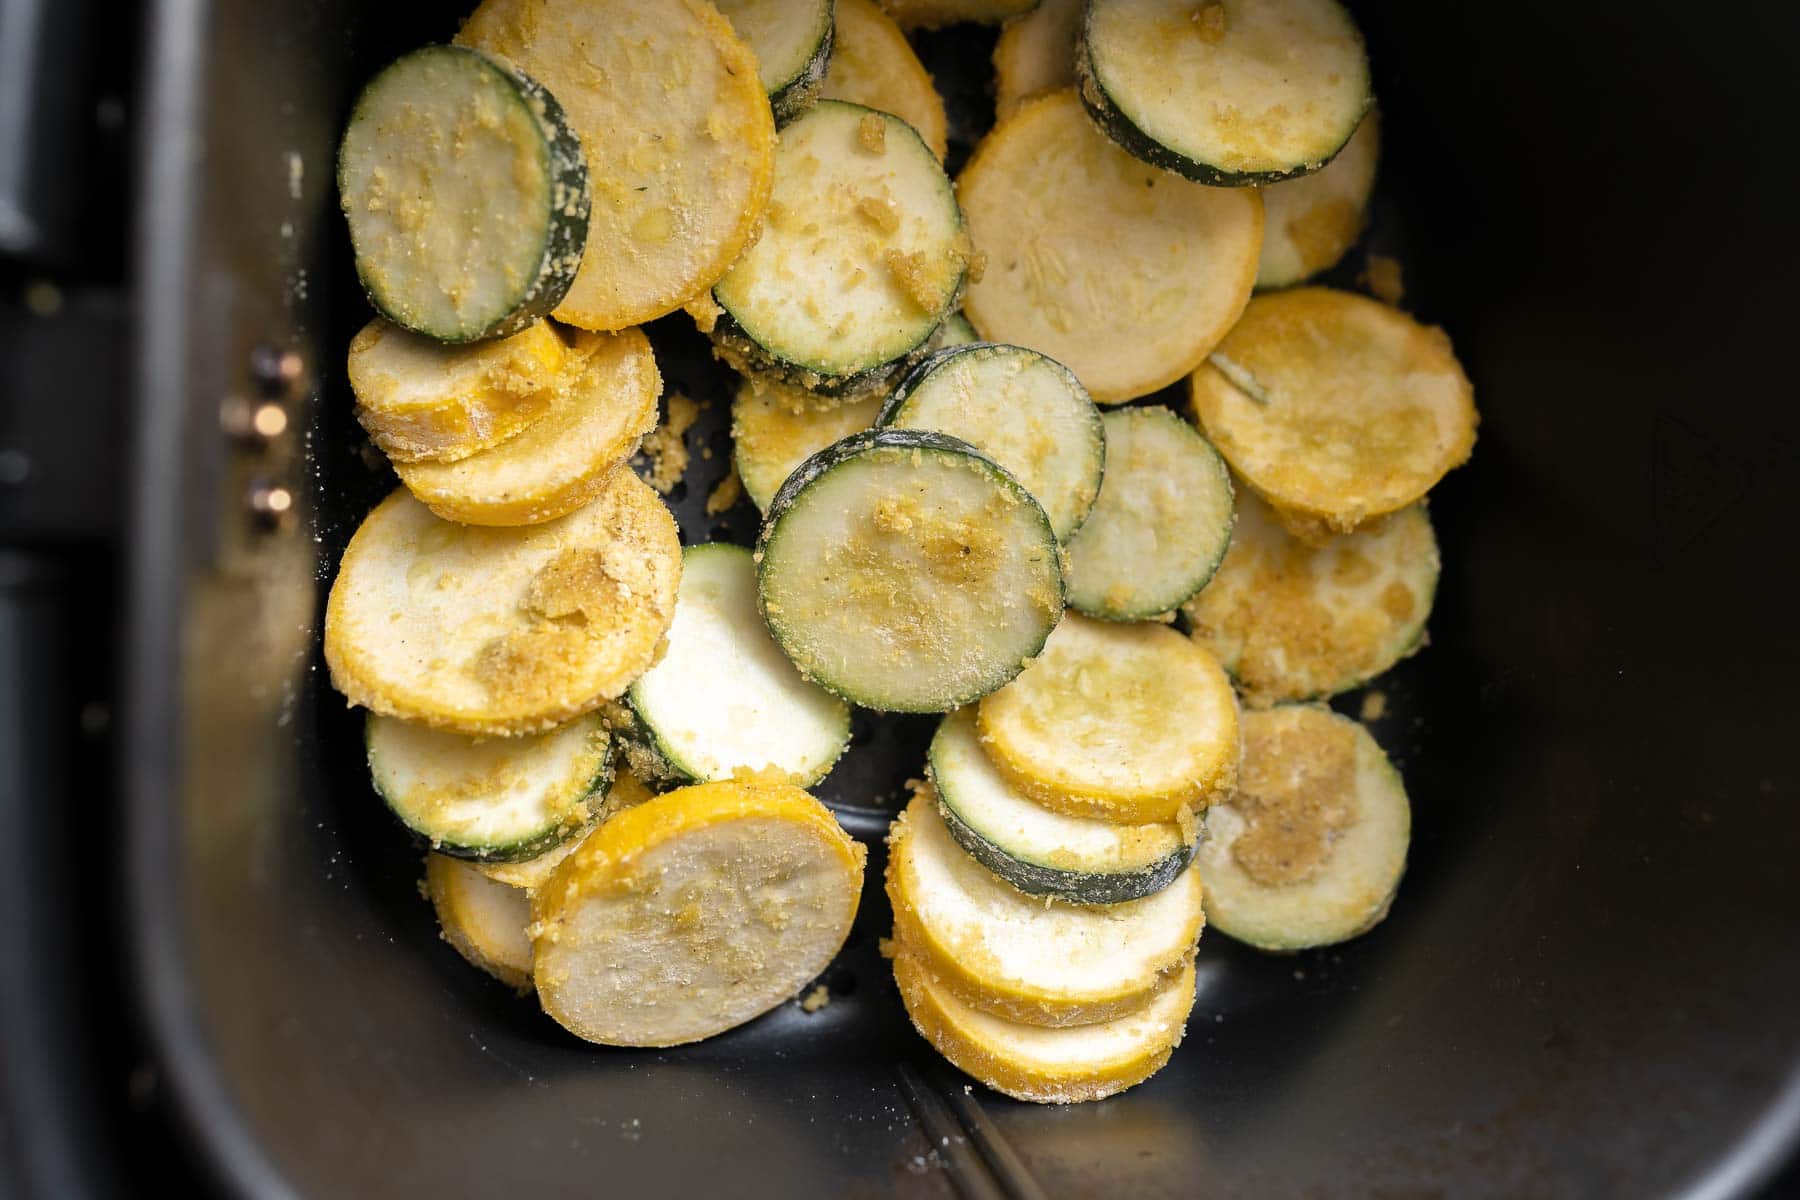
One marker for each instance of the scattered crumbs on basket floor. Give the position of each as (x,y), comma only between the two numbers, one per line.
(665,447)
(1374,705)
(1381,276)
(725,493)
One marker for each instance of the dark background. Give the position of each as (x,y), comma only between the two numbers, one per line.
(1586,988)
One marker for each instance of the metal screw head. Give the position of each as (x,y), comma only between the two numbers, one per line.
(276,372)
(271,505)
(252,423)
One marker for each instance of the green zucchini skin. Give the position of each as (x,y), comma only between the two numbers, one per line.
(919,372)
(844,453)
(1134,141)
(983,813)
(1092,597)
(1077,887)
(503,852)
(565,235)
(651,706)
(798,94)
(785,358)
(847,449)
(648,760)
(1067,499)
(739,351)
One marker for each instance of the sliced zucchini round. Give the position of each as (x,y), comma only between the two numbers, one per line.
(1022,957)
(1128,723)
(1161,524)
(1311,848)
(1035,53)
(1309,222)
(1126,275)
(935,14)
(638,751)
(466,193)
(502,631)
(530,873)
(792,41)
(666,100)
(497,799)
(724,700)
(862,259)
(421,399)
(1292,621)
(604,401)
(873,64)
(906,572)
(1039,850)
(692,913)
(484,920)
(1335,408)
(1025,411)
(1248,92)
(775,428)
(1048,1066)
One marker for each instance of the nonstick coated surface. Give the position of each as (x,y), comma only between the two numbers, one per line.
(1585,987)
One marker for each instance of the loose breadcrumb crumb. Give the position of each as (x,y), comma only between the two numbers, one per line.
(816,999)
(978,264)
(726,493)
(871,133)
(878,212)
(1381,276)
(1374,706)
(910,273)
(665,448)
(705,311)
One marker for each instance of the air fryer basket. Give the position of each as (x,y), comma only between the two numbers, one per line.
(1587,985)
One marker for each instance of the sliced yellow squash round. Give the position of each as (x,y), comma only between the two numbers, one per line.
(502,631)
(1036,53)
(1311,848)
(423,399)
(775,428)
(1335,408)
(694,912)
(1125,273)
(1049,1066)
(1291,621)
(483,919)
(677,132)
(873,64)
(605,401)
(1309,222)
(1023,957)
(1126,722)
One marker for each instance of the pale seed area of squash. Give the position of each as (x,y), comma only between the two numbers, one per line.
(1296,794)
